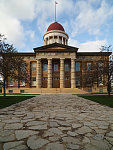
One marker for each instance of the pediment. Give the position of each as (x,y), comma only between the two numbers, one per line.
(59,47)
(55,47)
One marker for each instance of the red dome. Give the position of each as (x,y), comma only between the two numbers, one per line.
(55,26)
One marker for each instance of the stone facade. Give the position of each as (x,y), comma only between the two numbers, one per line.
(64,80)
(57,67)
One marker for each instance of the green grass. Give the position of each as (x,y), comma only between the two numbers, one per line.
(10,100)
(18,94)
(101,99)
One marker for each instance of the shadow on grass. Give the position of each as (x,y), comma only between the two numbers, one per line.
(101,99)
(10,100)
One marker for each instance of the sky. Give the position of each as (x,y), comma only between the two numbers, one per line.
(89,23)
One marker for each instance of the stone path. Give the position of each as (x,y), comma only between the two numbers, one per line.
(56,122)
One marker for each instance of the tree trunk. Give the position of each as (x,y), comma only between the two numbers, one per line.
(109,88)
(4,89)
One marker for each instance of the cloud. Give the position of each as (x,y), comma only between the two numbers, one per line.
(90,18)
(90,46)
(17,19)
(12,13)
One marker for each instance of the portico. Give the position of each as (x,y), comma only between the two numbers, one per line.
(55,73)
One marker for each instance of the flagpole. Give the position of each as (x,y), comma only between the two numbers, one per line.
(55,11)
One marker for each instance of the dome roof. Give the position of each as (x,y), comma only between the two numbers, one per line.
(55,26)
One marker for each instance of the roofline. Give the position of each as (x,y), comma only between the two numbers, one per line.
(54,44)
(20,54)
(93,53)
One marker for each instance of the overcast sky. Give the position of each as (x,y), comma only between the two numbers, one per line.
(89,23)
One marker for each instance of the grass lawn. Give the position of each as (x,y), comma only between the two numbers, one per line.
(102,99)
(18,94)
(10,100)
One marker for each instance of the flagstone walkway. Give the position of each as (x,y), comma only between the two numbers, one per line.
(56,122)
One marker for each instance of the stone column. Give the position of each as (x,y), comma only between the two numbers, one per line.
(61,73)
(73,82)
(62,40)
(38,77)
(49,73)
(65,41)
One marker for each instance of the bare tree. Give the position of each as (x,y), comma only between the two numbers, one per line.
(11,64)
(107,67)
(102,70)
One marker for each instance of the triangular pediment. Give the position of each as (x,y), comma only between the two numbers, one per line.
(55,47)
(59,47)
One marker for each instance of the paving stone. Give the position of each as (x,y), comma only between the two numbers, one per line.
(100,144)
(54,139)
(72,146)
(13,126)
(34,123)
(72,133)
(54,124)
(34,142)
(6,132)
(83,130)
(110,134)
(54,146)
(47,134)
(86,140)
(56,119)
(76,125)
(71,140)
(7,138)
(98,137)
(11,121)
(64,128)
(21,134)
(55,131)
(63,123)
(38,127)
(97,122)
(20,147)
(10,145)
(110,139)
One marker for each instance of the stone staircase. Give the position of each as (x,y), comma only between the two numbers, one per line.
(55,90)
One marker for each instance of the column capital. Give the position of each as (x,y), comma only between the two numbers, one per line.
(62,58)
(49,58)
(38,59)
(73,59)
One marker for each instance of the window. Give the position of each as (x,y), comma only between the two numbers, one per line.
(101,90)
(56,78)
(33,81)
(100,68)
(100,81)
(66,78)
(66,67)
(21,91)
(22,82)
(45,67)
(10,91)
(34,66)
(55,67)
(23,67)
(77,81)
(88,66)
(89,90)
(45,78)
(11,68)
(11,81)
(77,66)
(89,81)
